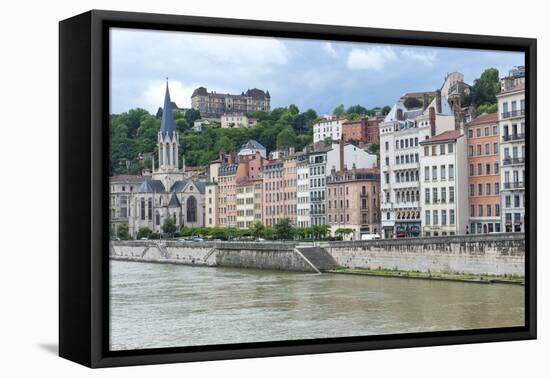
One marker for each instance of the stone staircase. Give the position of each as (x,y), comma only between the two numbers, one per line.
(318,257)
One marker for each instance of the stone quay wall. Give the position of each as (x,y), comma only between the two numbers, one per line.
(274,256)
(502,254)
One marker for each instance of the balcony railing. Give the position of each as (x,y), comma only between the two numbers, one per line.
(512,161)
(514,185)
(513,113)
(509,137)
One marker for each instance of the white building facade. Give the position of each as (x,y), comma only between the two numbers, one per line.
(330,127)
(400,137)
(303,218)
(511,109)
(444,185)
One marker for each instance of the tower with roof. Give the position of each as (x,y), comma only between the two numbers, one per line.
(168,141)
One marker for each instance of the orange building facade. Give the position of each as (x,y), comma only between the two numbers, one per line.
(484,175)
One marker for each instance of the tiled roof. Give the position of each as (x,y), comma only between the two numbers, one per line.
(174,202)
(484,118)
(167,125)
(151,186)
(127,178)
(444,136)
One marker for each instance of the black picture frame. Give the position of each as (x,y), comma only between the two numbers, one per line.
(84,189)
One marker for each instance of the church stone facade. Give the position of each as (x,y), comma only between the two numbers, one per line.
(167,193)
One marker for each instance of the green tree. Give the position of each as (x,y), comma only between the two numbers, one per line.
(359,110)
(339,111)
(191,116)
(286,138)
(386,109)
(373,148)
(412,103)
(257,230)
(487,108)
(485,89)
(284,229)
(169,227)
(344,231)
(122,231)
(144,232)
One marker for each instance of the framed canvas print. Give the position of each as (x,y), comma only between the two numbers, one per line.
(235,188)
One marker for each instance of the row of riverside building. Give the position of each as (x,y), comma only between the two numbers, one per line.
(439,172)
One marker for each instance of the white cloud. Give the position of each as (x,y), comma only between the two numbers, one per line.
(153,95)
(427,58)
(219,62)
(371,58)
(329,49)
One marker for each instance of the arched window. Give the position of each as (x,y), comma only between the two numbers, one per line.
(157,218)
(174,158)
(167,149)
(142,209)
(191,209)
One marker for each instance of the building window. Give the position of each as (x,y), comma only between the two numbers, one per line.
(443,217)
(470,133)
(442,149)
(479,189)
(471,169)
(191,209)
(487,189)
(451,194)
(434,173)
(495,148)
(470,150)
(472,212)
(497,210)
(488,210)
(427,195)
(478,149)
(443,172)
(479,171)
(142,209)
(436,220)
(150,209)
(495,130)
(472,190)
(450,148)
(428,217)
(487,149)
(478,132)
(497,188)
(486,131)
(444,195)
(479,210)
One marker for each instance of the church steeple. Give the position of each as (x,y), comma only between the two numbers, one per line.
(168,139)
(167,124)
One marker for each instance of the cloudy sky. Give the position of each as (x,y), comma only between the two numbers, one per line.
(311,74)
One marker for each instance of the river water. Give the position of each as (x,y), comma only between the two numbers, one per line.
(164,305)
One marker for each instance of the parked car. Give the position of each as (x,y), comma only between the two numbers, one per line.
(370,236)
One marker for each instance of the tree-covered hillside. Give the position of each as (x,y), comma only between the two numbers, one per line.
(134,136)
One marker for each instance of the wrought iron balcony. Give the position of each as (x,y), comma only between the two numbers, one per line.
(510,137)
(514,185)
(513,113)
(513,161)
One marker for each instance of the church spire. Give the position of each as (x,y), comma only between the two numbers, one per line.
(167,124)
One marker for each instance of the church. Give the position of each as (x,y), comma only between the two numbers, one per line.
(167,193)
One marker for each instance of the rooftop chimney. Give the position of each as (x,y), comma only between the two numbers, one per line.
(341,148)
(399,114)
(432,120)
(438,101)
(425,101)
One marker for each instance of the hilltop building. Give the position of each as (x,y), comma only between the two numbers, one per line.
(215,105)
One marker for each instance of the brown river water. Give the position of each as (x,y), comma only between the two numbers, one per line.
(164,305)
